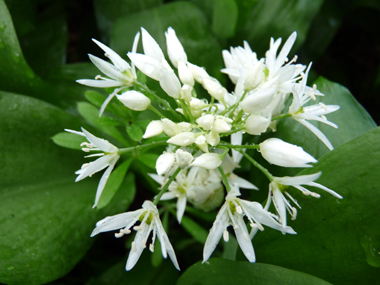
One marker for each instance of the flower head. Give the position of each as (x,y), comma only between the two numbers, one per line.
(278,187)
(150,222)
(120,73)
(107,159)
(232,213)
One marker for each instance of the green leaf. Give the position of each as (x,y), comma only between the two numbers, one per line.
(337,240)
(46,217)
(191,28)
(114,182)
(107,11)
(68,140)
(135,132)
(224,18)
(267,19)
(91,114)
(95,98)
(223,271)
(149,159)
(197,231)
(352,120)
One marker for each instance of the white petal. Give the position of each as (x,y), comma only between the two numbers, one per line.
(182,139)
(159,179)
(103,144)
(317,132)
(103,181)
(93,167)
(148,65)
(134,100)
(297,180)
(165,162)
(113,56)
(153,129)
(175,50)
(285,51)
(325,189)
(168,196)
(256,101)
(278,201)
(100,83)
(181,205)
(169,82)
(151,47)
(108,69)
(216,232)
(245,184)
(136,252)
(207,161)
(243,238)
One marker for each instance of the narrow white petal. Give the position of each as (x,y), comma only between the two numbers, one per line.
(243,239)
(103,181)
(113,56)
(298,180)
(100,83)
(245,184)
(148,65)
(207,161)
(153,129)
(136,251)
(325,189)
(103,144)
(151,47)
(75,132)
(216,232)
(181,205)
(317,132)
(108,69)
(159,179)
(278,201)
(285,51)
(168,196)
(93,167)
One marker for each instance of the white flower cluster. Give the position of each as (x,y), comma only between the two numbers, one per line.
(197,162)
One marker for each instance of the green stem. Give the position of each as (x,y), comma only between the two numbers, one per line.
(238,117)
(186,111)
(225,180)
(258,165)
(281,117)
(239,146)
(150,107)
(141,147)
(163,190)
(159,99)
(231,132)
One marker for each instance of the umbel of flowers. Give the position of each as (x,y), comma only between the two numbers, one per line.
(205,143)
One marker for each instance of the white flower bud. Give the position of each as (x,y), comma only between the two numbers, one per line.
(147,65)
(214,88)
(281,153)
(184,127)
(185,74)
(201,143)
(196,107)
(183,158)
(134,100)
(213,138)
(198,72)
(206,122)
(165,162)
(153,129)
(220,126)
(175,50)
(182,139)
(169,82)
(170,128)
(186,91)
(207,161)
(256,124)
(258,100)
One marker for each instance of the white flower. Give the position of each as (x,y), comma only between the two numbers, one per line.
(257,124)
(302,95)
(281,153)
(154,65)
(278,187)
(165,163)
(182,139)
(175,50)
(121,73)
(183,158)
(232,213)
(150,223)
(153,129)
(134,100)
(107,159)
(207,161)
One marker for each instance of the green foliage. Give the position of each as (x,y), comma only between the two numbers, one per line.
(337,240)
(68,140)
(223,271)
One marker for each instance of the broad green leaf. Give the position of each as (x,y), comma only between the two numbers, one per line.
(337,240)
(46,217)
(91,114)
(352,120)
(95,98)
(114,182)
(108,11)
(143,273)
(224,18)
(149,159)
(278,19)
(135,132)
(191,28)
(68,140)
(197,231)
(16,74)
(223,271)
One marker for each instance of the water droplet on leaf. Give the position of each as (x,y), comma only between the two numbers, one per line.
(371,248)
